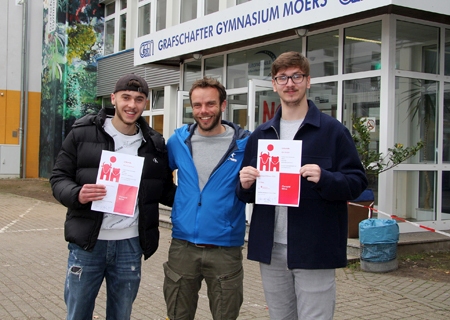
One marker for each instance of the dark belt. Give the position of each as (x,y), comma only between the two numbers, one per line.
(203,246)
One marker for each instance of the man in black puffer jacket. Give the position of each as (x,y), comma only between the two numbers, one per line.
(106,245)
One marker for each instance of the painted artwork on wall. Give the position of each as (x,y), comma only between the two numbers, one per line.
(72,43)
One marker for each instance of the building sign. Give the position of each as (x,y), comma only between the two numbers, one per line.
(244,22)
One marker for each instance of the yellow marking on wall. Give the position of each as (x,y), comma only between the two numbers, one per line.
(10,122)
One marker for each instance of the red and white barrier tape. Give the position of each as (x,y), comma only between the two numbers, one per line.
(398,218)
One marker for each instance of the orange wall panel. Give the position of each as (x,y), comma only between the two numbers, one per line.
(33,130)
(12,117)
(10,122)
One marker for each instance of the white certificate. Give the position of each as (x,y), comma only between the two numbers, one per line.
(121,174)
(279,163)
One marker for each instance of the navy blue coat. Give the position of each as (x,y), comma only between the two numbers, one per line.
(317,228)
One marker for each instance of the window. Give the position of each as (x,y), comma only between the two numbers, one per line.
(362,48)
(255,63)
(123,31)
(416,115)
(110,10)
(188,10)
(161,10)
(324,96)
(192,72)
(417,47)
(323,54)
(144,18)
(211,6)
(214,68)
(362,100)
(109,36)
(115,27)
(447,52)
(157,112)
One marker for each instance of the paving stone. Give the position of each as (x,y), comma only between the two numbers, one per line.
(33,259)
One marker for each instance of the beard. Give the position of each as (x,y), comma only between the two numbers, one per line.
(215,121)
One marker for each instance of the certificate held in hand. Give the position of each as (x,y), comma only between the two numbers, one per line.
(279,166)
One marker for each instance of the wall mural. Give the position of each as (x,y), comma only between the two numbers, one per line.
(72,43)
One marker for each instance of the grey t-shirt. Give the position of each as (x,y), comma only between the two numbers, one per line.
(288,129)
(207,152)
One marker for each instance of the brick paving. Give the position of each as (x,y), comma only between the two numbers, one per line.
(33,257)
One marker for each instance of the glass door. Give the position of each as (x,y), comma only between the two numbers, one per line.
(262,102)
(184,109)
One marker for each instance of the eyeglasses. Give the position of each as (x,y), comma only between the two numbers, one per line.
(296,78)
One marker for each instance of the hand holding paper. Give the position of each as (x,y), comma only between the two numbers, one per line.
(121,175)
(279,172)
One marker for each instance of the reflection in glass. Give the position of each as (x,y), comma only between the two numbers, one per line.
(415,195)
(109,36)
(110,8)
(158,123)
(417,47)
(267,103)
(144,20)
(214,68)
(447,52)
(324,96)
(362,100)
(236,110)
(188,10)
(446,137)
(255,63)
(192,72)
(123,32)
(187,112)
(211,6)
(106,101)
(362,47)
(323,54)
(445,195)
(157,99)
(161,14)
(416,116)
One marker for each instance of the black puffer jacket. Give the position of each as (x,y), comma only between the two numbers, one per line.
(77,164)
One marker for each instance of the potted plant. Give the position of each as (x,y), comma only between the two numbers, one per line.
(374,163)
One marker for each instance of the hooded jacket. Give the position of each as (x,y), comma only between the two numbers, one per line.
(77,164)
(214,215)
(317,228)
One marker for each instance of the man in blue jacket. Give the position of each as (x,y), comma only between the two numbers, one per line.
(208,219)
(299,247)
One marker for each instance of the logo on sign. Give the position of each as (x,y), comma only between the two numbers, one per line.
(345,2)
(147,49)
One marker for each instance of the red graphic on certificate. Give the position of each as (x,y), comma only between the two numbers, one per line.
(121,174)
(289,188)
(125,200)
(279,166)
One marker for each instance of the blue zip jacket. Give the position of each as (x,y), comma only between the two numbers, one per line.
(317,228)
(214,215)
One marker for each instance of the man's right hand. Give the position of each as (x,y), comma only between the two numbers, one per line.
(248,176)
(91,192)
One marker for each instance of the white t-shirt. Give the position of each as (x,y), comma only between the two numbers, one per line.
(114,226)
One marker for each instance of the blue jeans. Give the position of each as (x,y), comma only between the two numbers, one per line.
(119,262)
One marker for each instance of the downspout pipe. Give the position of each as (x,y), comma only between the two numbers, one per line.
(23,125)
